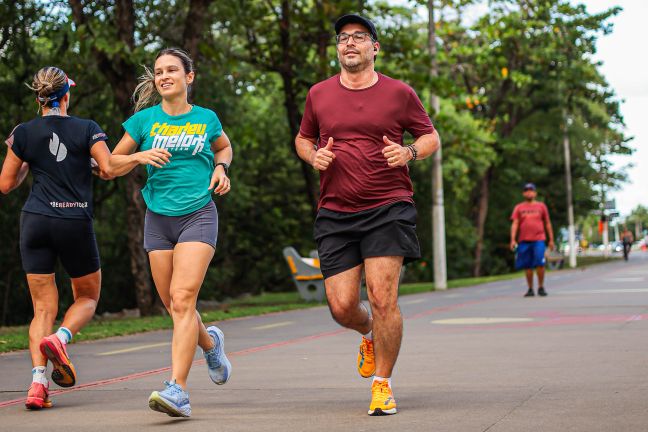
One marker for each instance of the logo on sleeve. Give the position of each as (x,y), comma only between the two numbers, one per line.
(57,148)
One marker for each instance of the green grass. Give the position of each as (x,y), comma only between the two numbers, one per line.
(16,338)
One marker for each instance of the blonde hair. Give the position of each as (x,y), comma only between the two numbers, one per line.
(145,93)
(46,81)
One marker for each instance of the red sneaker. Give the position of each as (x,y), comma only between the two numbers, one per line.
(63,373)
(38,396)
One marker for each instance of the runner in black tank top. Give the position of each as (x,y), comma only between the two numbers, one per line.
(56,222)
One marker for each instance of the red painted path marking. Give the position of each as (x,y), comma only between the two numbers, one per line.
(243,352)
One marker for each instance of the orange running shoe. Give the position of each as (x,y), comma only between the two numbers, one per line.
(382,399)
(63,373)
(38,396)
(366,359)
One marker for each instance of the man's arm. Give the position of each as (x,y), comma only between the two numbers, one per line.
(550,233)
(305,148)
(427,144)
(319,159)
(398,155)
(514,230)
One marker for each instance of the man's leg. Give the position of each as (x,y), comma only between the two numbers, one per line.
(382,274)
(539,263)
(540,271)
(529,278)
(343,295)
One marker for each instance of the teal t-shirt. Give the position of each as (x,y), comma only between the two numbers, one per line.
(181,186)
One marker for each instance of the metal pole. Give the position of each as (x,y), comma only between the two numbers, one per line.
(606,240)
(438,209)
(570,202)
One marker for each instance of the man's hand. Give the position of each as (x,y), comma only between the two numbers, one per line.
(324,156)
(552,245)
(513,245)
(396,154)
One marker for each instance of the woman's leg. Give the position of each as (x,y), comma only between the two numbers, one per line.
(86,290)
(162,270)
(190,262)
(44,294)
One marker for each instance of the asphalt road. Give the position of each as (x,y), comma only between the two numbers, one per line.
(479,358)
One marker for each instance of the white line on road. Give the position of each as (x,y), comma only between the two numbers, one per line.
(607,291)
(625,279)
(409,302)
(275,325)
(137,348)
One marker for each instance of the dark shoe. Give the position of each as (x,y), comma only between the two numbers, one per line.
(542,292)
(530,293)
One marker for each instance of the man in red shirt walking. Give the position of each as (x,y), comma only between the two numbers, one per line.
(352,133)
(530,219)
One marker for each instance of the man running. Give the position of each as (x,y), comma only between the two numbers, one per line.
(352,132)
(530,220)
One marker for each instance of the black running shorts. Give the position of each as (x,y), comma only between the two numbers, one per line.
(43,239)
(344,240)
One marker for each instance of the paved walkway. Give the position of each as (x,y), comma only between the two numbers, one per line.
(473,359)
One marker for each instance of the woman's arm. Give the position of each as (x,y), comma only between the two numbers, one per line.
(14,171)
(123,160)
(222,149)
(101,155)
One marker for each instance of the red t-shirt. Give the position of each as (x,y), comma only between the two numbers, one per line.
(532,217)
(359,177)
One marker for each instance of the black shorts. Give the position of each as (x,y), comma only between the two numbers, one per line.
(43,239)
(344,240)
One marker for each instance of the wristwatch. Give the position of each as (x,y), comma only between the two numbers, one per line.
(225,166)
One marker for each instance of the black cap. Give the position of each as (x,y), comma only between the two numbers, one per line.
(529,186)
(353,18)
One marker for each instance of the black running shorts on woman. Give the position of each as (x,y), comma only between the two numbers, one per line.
(344,240)
(164,232)
(43,239)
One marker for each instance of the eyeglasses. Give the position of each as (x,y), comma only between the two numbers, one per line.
(358,37)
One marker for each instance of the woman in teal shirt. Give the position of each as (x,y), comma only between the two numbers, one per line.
(187,154)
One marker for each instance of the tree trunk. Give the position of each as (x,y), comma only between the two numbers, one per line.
(482,212)
(194,26)
(121,75)
(5,299)
(135,230)
(290,100)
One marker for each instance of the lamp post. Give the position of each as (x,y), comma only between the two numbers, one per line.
(438,208)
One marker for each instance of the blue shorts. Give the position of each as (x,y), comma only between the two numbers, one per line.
(530,254)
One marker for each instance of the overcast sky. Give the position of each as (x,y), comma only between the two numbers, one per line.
(625,65)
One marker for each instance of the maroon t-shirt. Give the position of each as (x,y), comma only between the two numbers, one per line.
(532,217)
(359,177)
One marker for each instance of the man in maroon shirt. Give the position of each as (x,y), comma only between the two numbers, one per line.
(530,219)
(352,133)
